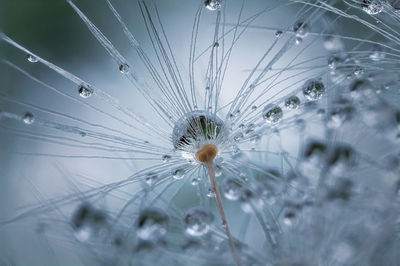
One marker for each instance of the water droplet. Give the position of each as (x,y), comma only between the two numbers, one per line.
(31,58)
(213,4)
(272,114)
(315,151)
(85,92)
(166,158)
(301,29)
(332,43)
(150,178)
(372,7)
(195,181)
(231,188)
(210,192)
(218,170)
(377,53)
(334,61)
(197,221)
(88,223)
(298,40)
(178,173)
(293,102)
(359,87)
(28,118)
(152,224)
(313,90)
(249,200)
(341,158)
(124,68)
(338,115)
(289,216)
(278,33)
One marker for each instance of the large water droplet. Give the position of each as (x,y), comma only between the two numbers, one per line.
(85,92)
(211,192)
(88,223)
(197,221)
(301,29)
(272,114)
(230,188)
(341,158)
(315,152)
(28,118)
(313,90)
(332,43)
(372,7)
(213,4)
(377,53)
(293,102)
(152,224)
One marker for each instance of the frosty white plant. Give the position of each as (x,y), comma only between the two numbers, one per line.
(260,133)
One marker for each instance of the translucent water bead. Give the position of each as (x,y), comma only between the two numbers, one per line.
(213,4)
(197,221)
(313,90)
(31,58)
(88,223)
(372,7)
(272,114)
(152,224)
(85,92)
(28,118)
(293,102)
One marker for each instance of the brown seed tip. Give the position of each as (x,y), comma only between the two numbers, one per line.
(207,153)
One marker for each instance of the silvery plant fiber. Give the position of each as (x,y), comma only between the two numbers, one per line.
(216,132)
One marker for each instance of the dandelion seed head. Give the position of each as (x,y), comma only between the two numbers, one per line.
(198,134)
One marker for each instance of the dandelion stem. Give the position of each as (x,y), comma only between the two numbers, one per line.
(211,173)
